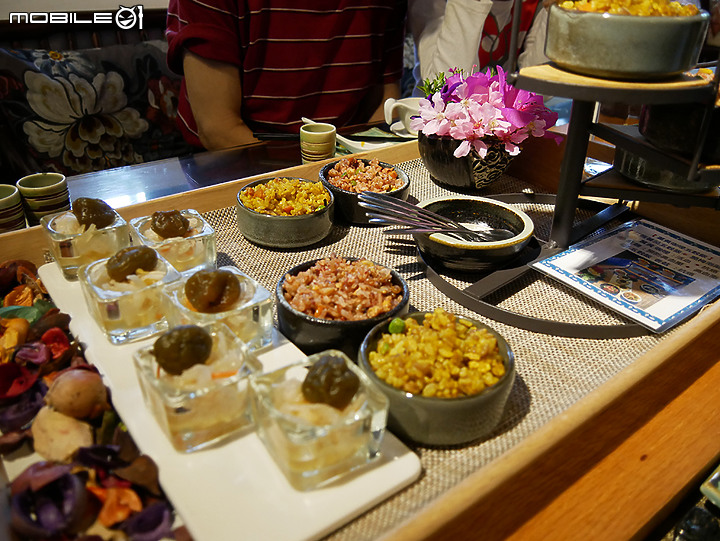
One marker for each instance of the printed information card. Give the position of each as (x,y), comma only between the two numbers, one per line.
(653,275)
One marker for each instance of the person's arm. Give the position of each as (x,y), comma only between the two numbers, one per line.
(214,93)
(533,51)
(390,90)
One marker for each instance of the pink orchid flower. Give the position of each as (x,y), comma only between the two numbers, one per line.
(481,109)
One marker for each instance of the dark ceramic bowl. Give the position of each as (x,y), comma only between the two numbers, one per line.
(442,421)
(676,128)
(347,202)
(284,231)
(312,334)
(629,47)
(648,174)
(467,256)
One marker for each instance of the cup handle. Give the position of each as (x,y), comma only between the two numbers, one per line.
(389,108)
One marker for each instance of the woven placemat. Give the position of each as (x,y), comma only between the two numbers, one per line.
(553,373)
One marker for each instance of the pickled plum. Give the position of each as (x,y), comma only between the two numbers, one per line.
(182,347)
(170,223)
(212,291)
(128,260)
(330,381)
(89,211)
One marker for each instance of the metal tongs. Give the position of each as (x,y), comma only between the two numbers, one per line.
(387,210)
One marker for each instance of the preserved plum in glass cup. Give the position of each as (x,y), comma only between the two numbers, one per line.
(320,418)
(124,293)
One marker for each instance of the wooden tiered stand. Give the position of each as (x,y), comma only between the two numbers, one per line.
(586,92)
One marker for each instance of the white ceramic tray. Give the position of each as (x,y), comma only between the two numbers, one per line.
(233,490)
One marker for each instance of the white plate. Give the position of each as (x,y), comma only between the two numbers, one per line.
(233,490)
(399,129)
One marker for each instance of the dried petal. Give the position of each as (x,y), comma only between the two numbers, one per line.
(14,380)
(21,295)
(118,503)
(56,339)
(151,524)
(20,411)
(34,353)
(37,475)
(40,515)
(51,318)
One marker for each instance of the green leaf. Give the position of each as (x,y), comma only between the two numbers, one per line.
(430,86)
(43,305)
(31,313)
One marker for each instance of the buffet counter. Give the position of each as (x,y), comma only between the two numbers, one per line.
(600,437)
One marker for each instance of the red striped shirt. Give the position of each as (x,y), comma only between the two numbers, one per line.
(314,58)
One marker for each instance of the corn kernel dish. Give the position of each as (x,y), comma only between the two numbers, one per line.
(443,356)
(285,197)
(632,7)
(453,382)
(284,212)
(635,40)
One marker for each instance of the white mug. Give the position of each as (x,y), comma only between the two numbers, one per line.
(406,109)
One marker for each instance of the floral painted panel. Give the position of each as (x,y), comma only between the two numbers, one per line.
(80,111)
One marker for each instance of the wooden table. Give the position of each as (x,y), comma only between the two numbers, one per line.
(612,466)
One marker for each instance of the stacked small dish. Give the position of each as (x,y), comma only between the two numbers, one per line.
(12,216)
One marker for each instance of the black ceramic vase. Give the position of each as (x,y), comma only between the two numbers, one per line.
(468,172)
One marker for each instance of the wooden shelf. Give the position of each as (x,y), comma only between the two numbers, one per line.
(613,185)
(550,80)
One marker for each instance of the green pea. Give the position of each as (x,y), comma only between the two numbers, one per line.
(396,326)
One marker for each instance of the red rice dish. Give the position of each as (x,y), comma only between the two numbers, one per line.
(341,290)
(354,175)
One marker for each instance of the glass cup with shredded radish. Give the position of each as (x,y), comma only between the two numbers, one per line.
(127,306)
(246,307)
(320,418)
(194,379)
(183,238)
(74,244)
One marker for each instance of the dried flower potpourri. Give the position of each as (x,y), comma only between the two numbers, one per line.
(480,109)
(445,356)
(89,478)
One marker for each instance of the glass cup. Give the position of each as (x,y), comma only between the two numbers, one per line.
(72,247)
(129,310)
(314,444)
(250,318)
(187,254)
(206,403)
